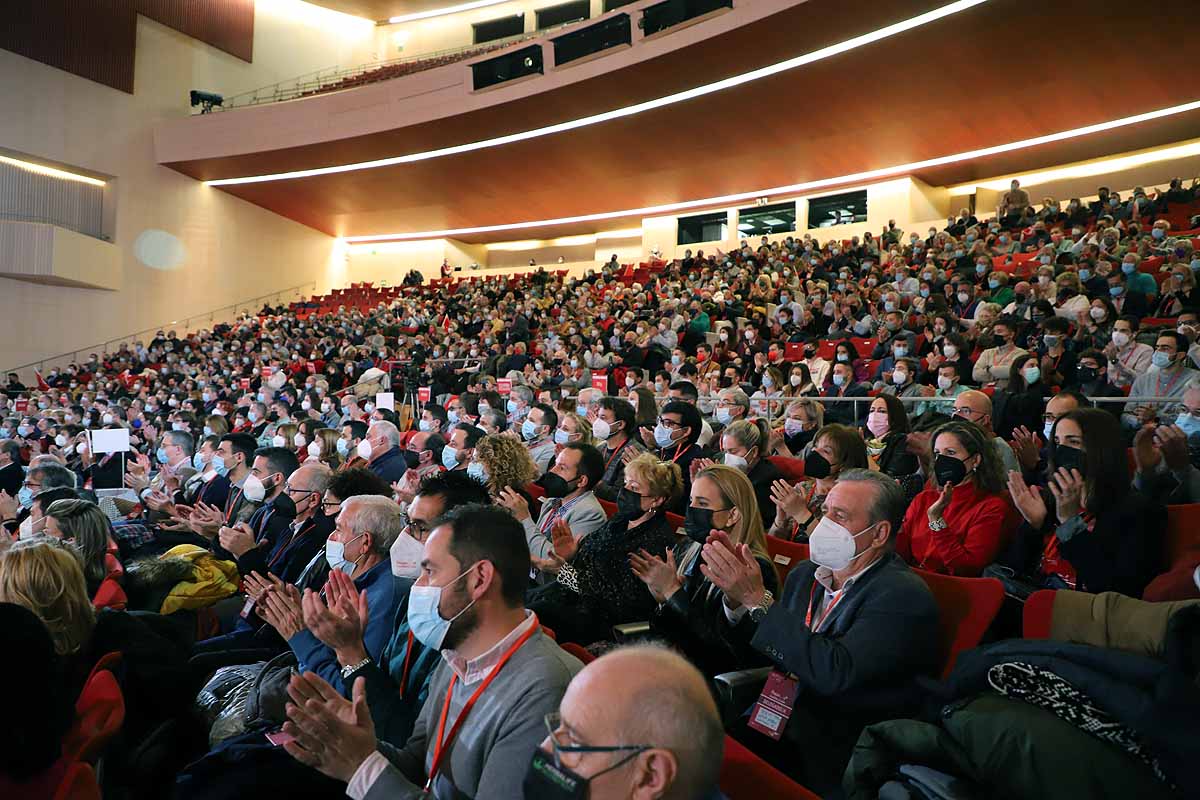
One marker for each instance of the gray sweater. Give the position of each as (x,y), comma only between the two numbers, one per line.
(491,754)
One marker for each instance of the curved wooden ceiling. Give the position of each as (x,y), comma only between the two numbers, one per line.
(1000,72)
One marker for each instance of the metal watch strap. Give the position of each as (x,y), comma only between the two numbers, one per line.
(350,669)
(759,611)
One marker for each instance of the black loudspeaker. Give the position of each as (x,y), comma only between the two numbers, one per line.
(517,64)
(611,32)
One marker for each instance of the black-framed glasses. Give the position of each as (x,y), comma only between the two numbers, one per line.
(554,724)
(418,529)
(670,424)
(328,504)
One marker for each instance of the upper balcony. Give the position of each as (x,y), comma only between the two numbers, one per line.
(933,87)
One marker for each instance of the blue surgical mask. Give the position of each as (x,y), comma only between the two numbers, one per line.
(1187,423)
(1085,274)
(161,455)
(343,447)
(449,457)
(198,462)
(1127,267)
(218,464)
(425,617)
(1116,291)
(924,293)
(477,471)
(424,425)
(529,430)
(723,415)
(1160,360)
(993,284)
(980,269)
(207,431)
(581,410)
(25,497)
(511,405)
(453,416)
(662,436)
(335,554)
(252,416)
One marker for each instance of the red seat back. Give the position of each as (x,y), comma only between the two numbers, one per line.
(1183,532)
(792,468)
(745,776)
(793,351)
(786,555)
(99,712)
(609,507)
(579,651)
(78,783)
(675,521)
(966,607)
(1038,614)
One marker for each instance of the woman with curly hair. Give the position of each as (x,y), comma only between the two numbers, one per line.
(503,462)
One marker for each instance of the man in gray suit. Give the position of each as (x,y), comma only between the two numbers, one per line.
(488,700)
(569,501)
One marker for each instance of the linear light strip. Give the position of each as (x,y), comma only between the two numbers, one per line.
(627,111)
(41,169)
(857,177)
(438,12)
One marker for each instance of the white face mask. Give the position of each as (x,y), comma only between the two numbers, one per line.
(314,449)
(253,489)
(406,555)
(832,545)
(737,462)
(364,449)
(278,441)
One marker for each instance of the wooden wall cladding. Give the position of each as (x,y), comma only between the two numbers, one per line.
(97,39)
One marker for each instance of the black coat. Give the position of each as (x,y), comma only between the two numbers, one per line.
(11,479)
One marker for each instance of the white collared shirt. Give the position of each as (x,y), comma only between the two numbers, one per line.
(473,671)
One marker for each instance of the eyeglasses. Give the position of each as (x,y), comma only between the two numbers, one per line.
(554,724)
(328,504)
(419,529)
(968,412)
(670,424)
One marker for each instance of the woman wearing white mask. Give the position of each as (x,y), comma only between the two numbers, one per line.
(744,446)
(802,419)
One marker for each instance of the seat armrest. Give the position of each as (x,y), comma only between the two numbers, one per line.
(631,630)
(737,691)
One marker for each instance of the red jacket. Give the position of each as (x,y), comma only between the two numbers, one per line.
(978,525)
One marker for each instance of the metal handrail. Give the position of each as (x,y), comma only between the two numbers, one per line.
(314,81)
(212,317)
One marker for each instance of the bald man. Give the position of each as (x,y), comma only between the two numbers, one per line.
(975,406)
(652,721)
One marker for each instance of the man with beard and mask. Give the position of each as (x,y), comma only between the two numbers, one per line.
(651,727)
(569,501)
(848,638)
(467,603)
(272,466)
(614,426)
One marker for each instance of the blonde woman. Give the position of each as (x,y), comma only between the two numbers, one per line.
(45,576)
(285,435)
(572,428)
(595,588)
(502,462)
(691,613)
(215,425)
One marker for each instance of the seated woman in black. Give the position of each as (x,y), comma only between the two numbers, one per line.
(596,589)
(1022,403)
(886,437)
(1090,529)
(691,612)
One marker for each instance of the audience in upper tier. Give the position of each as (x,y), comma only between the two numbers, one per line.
(362,597)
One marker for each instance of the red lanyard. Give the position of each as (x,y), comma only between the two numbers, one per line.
(442,745)
(812,597)
(296,535)
(678,452)
(608,463)
(407,658)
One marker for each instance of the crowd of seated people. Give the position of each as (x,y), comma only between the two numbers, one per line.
(760,460)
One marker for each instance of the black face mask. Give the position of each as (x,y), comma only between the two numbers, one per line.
(817,466)
(797,441)
(546,780)
(698,523)
(629,504)
(1086,374)
(556,486)
(1069,458)
(948,469)
(413,459)
(285,506)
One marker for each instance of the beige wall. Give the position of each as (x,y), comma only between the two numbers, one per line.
(234,251)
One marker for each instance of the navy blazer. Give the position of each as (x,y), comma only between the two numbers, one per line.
(390,466)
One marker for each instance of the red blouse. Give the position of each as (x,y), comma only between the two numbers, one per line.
(978,525)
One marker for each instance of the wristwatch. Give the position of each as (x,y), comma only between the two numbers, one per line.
(938,524)
(350,669)
(759,611)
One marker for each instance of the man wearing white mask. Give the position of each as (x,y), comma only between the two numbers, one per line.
(381,449)
(613,428)
(850,634)
(468,604)
(433,419)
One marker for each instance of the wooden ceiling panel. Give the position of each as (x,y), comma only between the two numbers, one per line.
(947,87)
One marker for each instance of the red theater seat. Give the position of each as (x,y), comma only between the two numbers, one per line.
(745,776)
(1183,532)
(966,608)
(786,555)
(1038,614)
(792,468)
(99,713)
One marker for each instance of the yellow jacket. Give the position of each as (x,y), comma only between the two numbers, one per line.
(211,580)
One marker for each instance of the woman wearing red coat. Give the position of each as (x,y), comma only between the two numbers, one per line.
(959,523)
